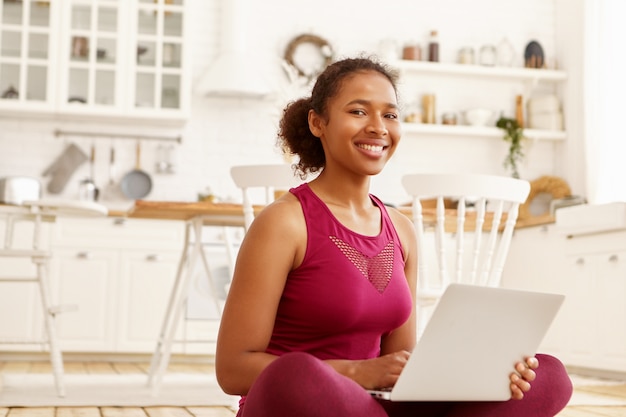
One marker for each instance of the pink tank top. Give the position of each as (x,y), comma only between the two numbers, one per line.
(349,291)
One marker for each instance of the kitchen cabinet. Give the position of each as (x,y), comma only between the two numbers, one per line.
(493,88)
(591,271)
(96,59)
(597,266)
(119,272)
(20,303)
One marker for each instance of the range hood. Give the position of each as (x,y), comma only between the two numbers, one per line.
(233,73)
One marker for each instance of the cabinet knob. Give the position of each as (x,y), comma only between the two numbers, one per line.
(580,261)
(119,221)
(613,258)
(153,258)
(83,255)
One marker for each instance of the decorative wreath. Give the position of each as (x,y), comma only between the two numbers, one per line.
(555,186)
(325,50)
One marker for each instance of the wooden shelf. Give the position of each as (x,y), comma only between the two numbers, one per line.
(477,131)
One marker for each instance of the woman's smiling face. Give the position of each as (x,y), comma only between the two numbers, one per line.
(361,128)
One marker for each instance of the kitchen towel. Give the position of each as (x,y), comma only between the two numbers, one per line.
(63,167)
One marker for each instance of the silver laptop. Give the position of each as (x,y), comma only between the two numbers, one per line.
(472,342)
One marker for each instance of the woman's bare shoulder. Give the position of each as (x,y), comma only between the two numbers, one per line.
(286,211)
(400,220)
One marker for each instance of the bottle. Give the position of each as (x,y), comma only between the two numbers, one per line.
(428,105)
(433,46)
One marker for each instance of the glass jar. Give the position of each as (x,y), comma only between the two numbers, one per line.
(448,119)
(466,55)
(412,51)
(488,55)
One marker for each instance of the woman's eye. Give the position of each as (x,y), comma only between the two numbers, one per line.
(392,115)
(358,112)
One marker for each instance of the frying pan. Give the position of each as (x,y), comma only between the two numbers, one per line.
(136,184)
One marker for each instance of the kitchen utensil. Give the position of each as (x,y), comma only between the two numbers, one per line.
(87,190)
(478,117)
(17,189)
(111,191)
(136,184)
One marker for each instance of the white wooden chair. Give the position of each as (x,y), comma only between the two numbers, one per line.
(37,213)
(481,208)
(269,178)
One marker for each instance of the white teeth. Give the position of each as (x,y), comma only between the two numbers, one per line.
(372,148)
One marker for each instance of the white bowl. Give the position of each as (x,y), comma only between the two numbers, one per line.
(478,117)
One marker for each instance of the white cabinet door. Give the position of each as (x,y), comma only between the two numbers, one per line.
(536,263)
(579,308)
(611,302)
(21,317)
(27,32)
(87,278)
(91,56)
(146,281)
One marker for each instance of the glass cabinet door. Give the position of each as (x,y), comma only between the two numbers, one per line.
(92,53)
(25,42)
(158,68)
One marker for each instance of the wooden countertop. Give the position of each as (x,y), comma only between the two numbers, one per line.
(230,214)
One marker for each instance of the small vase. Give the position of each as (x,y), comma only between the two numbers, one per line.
(506,53)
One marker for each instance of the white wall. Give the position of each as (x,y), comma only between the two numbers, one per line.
(224,132)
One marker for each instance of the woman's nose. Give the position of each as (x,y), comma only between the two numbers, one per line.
(377,125)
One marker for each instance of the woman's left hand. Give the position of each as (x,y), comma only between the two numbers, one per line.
(524,375)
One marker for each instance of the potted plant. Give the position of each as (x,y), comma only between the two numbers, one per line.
(513,134)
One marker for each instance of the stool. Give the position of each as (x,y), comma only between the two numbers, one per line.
(38,212)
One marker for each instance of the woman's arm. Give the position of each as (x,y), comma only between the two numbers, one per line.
(404,337)
(273,245)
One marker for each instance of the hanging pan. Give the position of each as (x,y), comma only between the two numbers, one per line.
(136,184)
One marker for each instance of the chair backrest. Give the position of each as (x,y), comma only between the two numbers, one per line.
(490,223)
(270,178)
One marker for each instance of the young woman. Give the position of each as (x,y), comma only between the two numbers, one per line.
(321,304)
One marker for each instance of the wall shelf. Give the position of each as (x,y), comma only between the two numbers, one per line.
(522,74)
(475,131)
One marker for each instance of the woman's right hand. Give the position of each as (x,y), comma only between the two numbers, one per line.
(376,373)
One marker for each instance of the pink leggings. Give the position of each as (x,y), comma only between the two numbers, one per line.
(298,384)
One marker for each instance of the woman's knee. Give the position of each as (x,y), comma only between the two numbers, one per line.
(554,378)
(300,384)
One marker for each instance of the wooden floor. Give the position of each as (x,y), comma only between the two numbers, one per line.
(110,368)
(140,367)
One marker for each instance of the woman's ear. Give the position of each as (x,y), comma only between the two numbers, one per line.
(315,124)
